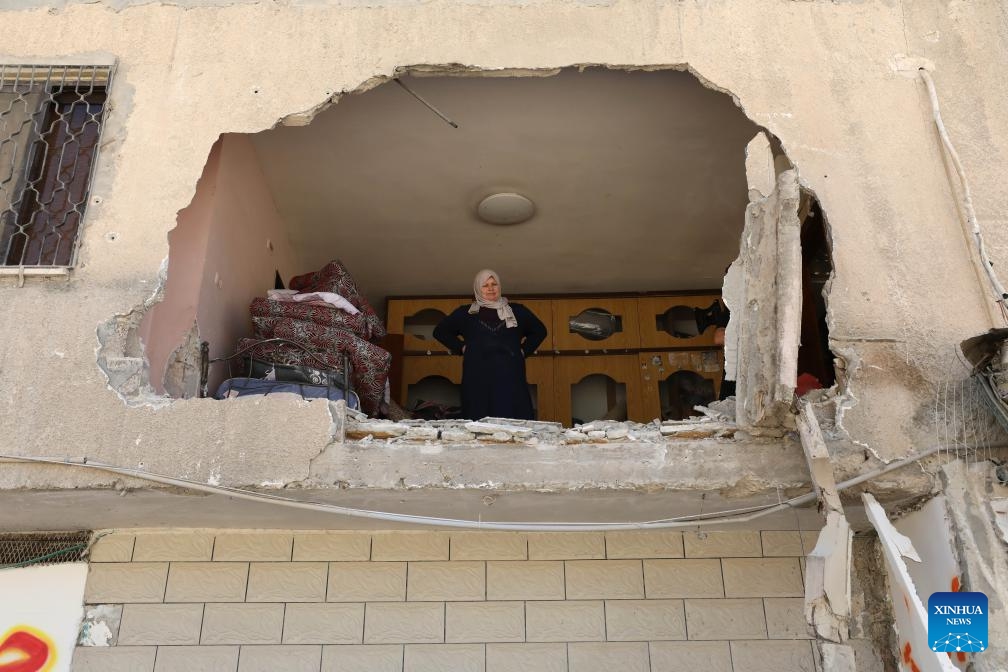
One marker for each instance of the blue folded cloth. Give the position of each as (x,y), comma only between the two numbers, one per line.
(246,387)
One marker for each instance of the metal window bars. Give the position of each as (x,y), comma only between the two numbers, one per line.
(50,130)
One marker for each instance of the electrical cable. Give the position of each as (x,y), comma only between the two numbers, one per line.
(710,518)
(967,200)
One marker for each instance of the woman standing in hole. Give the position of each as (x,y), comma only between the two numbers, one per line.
(494,337)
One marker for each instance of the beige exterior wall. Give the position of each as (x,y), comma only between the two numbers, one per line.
(835,82)
(238,600)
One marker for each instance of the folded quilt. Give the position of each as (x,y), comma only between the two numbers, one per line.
(324,315)
(370,363)
(335,278)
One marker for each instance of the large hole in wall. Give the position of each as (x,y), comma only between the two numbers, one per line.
(639,187)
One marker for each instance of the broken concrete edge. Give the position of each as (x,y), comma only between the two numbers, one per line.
(847,399)
(305,117)
(828,565)
(366,430)
(126,369)
(135,370)
(131,382)
(836,657)
(820,463)
(828,580)
(665,464)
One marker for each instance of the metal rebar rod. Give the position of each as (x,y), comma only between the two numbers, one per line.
(428,105)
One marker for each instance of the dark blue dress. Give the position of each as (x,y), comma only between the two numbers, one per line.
(493,366)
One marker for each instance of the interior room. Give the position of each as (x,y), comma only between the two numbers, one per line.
(610,202)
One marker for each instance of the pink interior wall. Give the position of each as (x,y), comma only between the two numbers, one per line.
(165,325)
(219,259)
(239,264)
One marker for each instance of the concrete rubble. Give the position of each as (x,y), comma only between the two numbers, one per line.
(497,430)
(828,565)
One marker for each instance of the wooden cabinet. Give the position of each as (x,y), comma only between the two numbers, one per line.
(420,369)
(673,382)
(421,374)
(415,319)
(669,321)
(596,387)
(601,323)
(641,365)
(540,373)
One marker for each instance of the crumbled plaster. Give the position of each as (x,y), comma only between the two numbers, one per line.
(828,566)
(879,404)
(849,361)
(182,375)
(837,657)
(120,353)
(871,609)
(499,430)
(100,626)
(760,171)
(768,318)
(705,453)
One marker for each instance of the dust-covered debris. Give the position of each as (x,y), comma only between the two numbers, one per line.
(100,626)
(503,430)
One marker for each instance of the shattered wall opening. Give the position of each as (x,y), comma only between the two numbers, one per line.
(815,359)
(638,183)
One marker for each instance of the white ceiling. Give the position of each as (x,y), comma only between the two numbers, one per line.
(638,179)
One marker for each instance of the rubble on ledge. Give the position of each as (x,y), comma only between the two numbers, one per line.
(712,425)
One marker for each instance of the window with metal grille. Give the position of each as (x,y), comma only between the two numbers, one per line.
(50,126)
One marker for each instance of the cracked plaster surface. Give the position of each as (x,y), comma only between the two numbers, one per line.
(881,219)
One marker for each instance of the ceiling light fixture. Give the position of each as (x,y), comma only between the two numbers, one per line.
(505,208)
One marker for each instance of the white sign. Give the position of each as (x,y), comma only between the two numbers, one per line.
(40,614)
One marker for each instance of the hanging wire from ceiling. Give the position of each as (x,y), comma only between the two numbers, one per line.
(422,100)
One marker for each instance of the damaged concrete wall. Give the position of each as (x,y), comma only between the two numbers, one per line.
(227,247)
(768,314)
(846,107)
(165,324)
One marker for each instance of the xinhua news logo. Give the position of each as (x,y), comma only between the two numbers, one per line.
(957,622)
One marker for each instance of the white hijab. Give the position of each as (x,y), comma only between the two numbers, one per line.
(504,311)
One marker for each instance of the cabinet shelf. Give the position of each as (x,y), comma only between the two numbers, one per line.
(623,357)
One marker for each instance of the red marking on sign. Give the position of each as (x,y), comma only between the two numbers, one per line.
(908,658)
(955,584)
(25,649)
(961,655)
